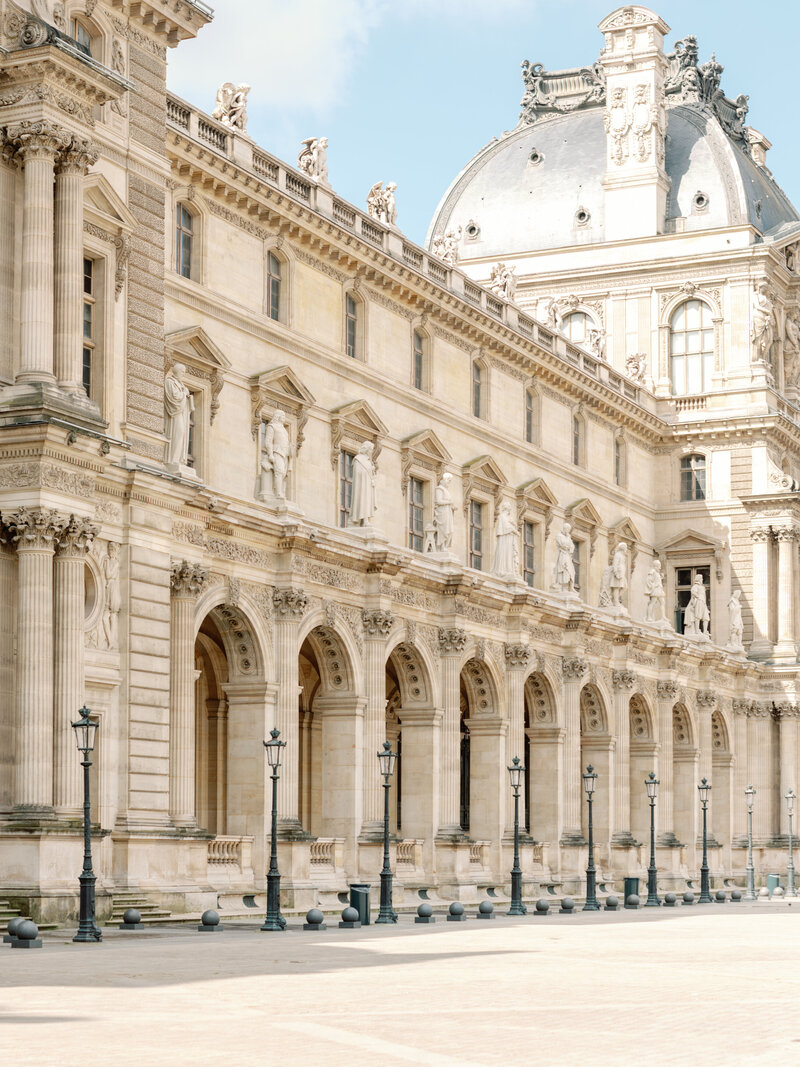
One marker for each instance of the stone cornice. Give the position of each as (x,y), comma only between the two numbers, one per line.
(163,22)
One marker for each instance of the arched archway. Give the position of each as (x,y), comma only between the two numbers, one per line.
(684,775)
(543,759)
(483,753)
(642,761)
(596,750)
(721,779)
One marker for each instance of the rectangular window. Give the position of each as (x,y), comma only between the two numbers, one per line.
(528,567)
(576,560)
(476,535)
(619,472)
(184,235)
(88,324)
(273,286)
(190,456)
(529,417)
(345,486)
(684,580)
(416,514)
(576,440)
(419,356)
(80,34)
(477,389)
(351,326)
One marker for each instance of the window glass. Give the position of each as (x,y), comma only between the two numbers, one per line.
(351,326)
(184,236)
(419,355)
(476,535)
(684,580)
(619,461)
(477,390)
(577,429)
(576,559)
(693,477)
(416,514)
(345,486)
(529,416)
(691,348)
(528,568)
(88,325)
(273,286)
(576,327)
(79,33)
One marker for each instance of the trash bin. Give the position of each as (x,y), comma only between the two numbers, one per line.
(631,888)
(773,881)
(359,899)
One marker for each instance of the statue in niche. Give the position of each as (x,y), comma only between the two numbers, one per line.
(503,281)
(443,509)
(364,505)
(506,550)
(445,246)
(735,624)
(276,458)
(654,591)
(696,616)
(381,203)
(231,109)
(763,321)
(791,351)
(564,573)
(178,405)
(313,159)
(113,600)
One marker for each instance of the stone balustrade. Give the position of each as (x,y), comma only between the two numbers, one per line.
(229,851)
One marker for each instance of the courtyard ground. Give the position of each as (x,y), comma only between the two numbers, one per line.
(718,984)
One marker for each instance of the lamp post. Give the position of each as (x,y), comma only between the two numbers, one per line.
(589,782)
(705,895)
(750,891)
(85,731)
(652,784)
(515,773)
(791,796)
(386,762)
(274,920)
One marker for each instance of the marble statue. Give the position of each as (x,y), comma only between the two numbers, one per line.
(636,365)
(735,624)
(443,509)
(231,109)
(381,203)
(445,246)
(276,458)
(618,579)
(178,406)
(313,159)
(696,616)
(503,281)
(113,601)
(564,573)
(597,342)
(551,313)
(364,505)
(506,550)
(654,591)
(792,335)
(763,316)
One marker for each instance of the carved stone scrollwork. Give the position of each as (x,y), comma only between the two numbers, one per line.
(78,156)
(786,710)
(517,655)
(77,536)
(187,579)
(377,623)
(452,640)
(667,690)
(706,698)
(740,707)
(290,603)
(623,679)
(760,536)
(39,140)
(34,527)
(574,669)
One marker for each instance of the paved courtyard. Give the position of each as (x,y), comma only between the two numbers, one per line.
(719,984)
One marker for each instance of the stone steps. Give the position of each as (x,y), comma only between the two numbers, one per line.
(150,913)
(7,913)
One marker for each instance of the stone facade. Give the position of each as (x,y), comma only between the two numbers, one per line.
(195,604)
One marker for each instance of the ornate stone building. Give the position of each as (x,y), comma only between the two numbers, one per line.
(265,462)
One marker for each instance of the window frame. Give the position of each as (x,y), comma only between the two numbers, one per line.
(359,346)
(274,302)
(579,563)
(420,360)
(565,326)
(479,380)
(89,339)
(691,482)
(578,439)
(344,497)
(476,553)
(693,567)
(416,510)
(529,552)
(705,356)
(180,234)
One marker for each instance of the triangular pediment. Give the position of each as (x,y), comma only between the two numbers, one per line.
(583,511)
(284,380)
(104,207)
(538,491)
(485,468)
(358,413)
(690,541)
(275,389)
(351,425)
(194,344)
(426,443)
(625,530)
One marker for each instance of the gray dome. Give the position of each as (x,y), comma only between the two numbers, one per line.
(532,189)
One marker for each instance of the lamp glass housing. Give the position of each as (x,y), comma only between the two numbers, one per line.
(791,796)
(749,795)
(515,773)
(589,780)
(704,789)
(85,730)
(652,784)
(386,759)
(274,749)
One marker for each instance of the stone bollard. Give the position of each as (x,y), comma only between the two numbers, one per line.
(736,896)
(670,900)
(13,926)
(763,893)
(455,913)
(778,891)
(315,920)
(209,922)
(632,902)
(425,914)
(542,907)
(485,910)
(720,897)
(612,903)
(132,920)
(567,906)
(27,935)
(688,897)
(350,919)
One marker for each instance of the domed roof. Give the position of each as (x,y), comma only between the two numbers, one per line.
(540,186)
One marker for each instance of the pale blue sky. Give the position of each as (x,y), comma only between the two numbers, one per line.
(409,91)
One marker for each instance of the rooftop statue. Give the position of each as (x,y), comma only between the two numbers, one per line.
(445,246)
(381,203)
(231,107)
(313,159)
(503,281)
(561,90)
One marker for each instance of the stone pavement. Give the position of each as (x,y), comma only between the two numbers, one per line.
(717,984)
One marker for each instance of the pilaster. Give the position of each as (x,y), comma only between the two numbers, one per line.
(377,625)
(452,642)
(786,648)
(187,580)
(761,647)
(667,693)
(290,606)
(574,670)
(623,682)
(517,664)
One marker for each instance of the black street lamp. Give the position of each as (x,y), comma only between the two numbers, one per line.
(85,730)
(274,920)
(750,891)
(589,782)
(790,798)
(516,773)
(651,784)
(705,895)
(386,762)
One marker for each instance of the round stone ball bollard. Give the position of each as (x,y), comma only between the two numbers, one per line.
(485,910)
(720,897)
(632,902)
(350,920)
(763,893)
(612,903)
(778,891)
(736,896)
(315,920)
(27,935)
(455,913)
(688,897)
(209,922)
(542,908)
(131,920)
(13,926)
(567,906)
(670,900)
(425,914)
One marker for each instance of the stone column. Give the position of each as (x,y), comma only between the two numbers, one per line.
(741,772)
(421,763)
(187,580)
(787,726)
(290,607)
(452,643)
(760,747)
(73,544)
(377,624)
(574,670)
(70,172)
(666,695)
(761,645)
(623,682)
(706,702)
(517,659)
(786,648)
(35,532)
(38,145)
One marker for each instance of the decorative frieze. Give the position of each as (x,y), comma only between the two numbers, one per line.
(290,603)
(187,579)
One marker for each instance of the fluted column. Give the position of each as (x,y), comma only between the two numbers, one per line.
(666,696)
(517,660)
(787,726)
(759,743)
(290,607)
(574,670)
(786,648)
(74,542)
(761,645)
(452,643)
(187,581)
(623,682)
(35,532)
(706,702)
(38,144)
(71,169)
(377,624)
(741,771)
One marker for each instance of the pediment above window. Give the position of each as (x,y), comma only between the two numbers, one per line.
(279,389)
(351,425)
(484,475)
(202,358)
(423,450)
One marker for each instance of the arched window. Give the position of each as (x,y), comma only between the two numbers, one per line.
(185,233)
(577,440)
(420,369)
(576,327)
(273,286)
(691,348)
(693,477)
(80,33)
(478,391)
(353,326)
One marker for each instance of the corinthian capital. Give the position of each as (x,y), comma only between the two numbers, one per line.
(451,640)
(574,668)
(785,533)
(78,156)
(377,623)
(32,528)
(76,538)
(517,655)
(760,536)
(38,140)
(667,690)
(290,603)
(187,579)
(623,679)
(706,698)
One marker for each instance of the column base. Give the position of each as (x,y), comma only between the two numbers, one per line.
(572,839)
(785,652)
(26,399)
(667,839)
(33,816)
(711,841)
(624,839)
(292,830)
(451,835)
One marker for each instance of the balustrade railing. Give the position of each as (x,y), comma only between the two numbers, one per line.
(227,850)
